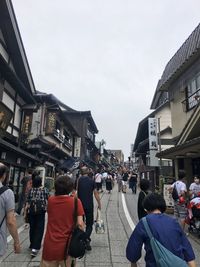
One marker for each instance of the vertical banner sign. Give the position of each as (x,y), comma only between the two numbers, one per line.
(27,123)
(153,140)
(51,122)
(5,118)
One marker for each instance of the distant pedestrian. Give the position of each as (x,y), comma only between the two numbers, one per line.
(98,180)
(133,182)
(119,181)
(36,206)
(144,188)
(26,182)
(194,189)
(124,181)
(109,182)
(60,224)
(86,189)
(165,229)
(7,214)
(180,210)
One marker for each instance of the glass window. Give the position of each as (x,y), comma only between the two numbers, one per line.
(4,53)
(8,101)
(198,81)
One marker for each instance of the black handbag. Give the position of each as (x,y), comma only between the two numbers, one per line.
(77,242)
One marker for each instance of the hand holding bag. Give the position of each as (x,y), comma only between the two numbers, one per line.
(99,225)
(77,242)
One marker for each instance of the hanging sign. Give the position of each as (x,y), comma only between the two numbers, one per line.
(153,140)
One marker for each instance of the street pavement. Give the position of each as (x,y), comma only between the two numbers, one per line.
(108,249)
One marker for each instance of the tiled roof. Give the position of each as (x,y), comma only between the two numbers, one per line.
(185,53)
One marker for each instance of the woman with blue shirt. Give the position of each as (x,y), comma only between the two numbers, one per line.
(164,228)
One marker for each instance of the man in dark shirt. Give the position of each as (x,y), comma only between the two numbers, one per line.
(86,188)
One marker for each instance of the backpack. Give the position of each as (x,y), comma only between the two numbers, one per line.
(37,201)
(175,195)
(163,257)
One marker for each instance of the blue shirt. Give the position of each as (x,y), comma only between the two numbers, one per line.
(167,231)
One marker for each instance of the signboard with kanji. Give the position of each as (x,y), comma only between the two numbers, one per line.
(51,122)
(153,140)
(5,118)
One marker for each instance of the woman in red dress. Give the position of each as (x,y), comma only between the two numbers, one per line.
(60,223)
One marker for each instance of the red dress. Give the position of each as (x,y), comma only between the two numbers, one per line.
(59,227)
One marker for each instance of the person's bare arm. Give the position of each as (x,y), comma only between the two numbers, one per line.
(96,195)
(192,263)
(80,222)
(12,227)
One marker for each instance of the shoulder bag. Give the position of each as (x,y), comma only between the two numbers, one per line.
(163,257)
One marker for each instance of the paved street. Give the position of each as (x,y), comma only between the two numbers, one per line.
(108,249)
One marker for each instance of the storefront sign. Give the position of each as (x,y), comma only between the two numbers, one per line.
(51,122)
(5,118)
(153,140)
(26,129)
(167,196)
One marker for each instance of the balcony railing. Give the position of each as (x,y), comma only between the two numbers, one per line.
(191,101)
(67,144)
(62,139)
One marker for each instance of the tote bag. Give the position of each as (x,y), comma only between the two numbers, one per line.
(163,257)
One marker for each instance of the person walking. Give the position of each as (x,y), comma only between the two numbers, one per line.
(26,183)
(60,223)
(86,188)
(124,181)
(144,188)
(164,228)
(119,181)
(194,189)
(180,210)
(109,182)
(98,180)
(7,214)
(36,206)
(133,182)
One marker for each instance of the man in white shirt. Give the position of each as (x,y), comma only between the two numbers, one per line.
(194,189)
(180,210)
(98,180)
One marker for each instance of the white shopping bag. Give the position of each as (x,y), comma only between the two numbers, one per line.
(99,225)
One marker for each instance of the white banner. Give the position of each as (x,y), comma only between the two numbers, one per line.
(153,140)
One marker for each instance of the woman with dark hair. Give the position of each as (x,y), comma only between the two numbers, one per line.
(164,228)
(60,223)
(144,187)
(35,209)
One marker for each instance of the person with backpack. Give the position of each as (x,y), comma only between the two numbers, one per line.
(35,209)
(7,214)
(179,190)
(166,230)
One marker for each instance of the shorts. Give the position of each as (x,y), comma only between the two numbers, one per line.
(180,210)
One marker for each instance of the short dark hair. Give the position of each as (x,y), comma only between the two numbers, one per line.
(154,201)
(3,169)
(63,185)
(37,181)
(181,174)
(144,184)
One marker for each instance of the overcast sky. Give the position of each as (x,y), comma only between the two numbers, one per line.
(104,55)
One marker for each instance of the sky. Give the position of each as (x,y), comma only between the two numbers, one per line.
(105,56)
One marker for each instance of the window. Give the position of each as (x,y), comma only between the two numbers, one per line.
(8,101)
(193,92)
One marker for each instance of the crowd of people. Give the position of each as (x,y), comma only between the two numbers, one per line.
(35,201)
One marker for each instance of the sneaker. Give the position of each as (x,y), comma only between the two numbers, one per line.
(34,252)
(88,246)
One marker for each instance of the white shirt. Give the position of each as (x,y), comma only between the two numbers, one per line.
(195,188)
(98,178)
(180,187)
